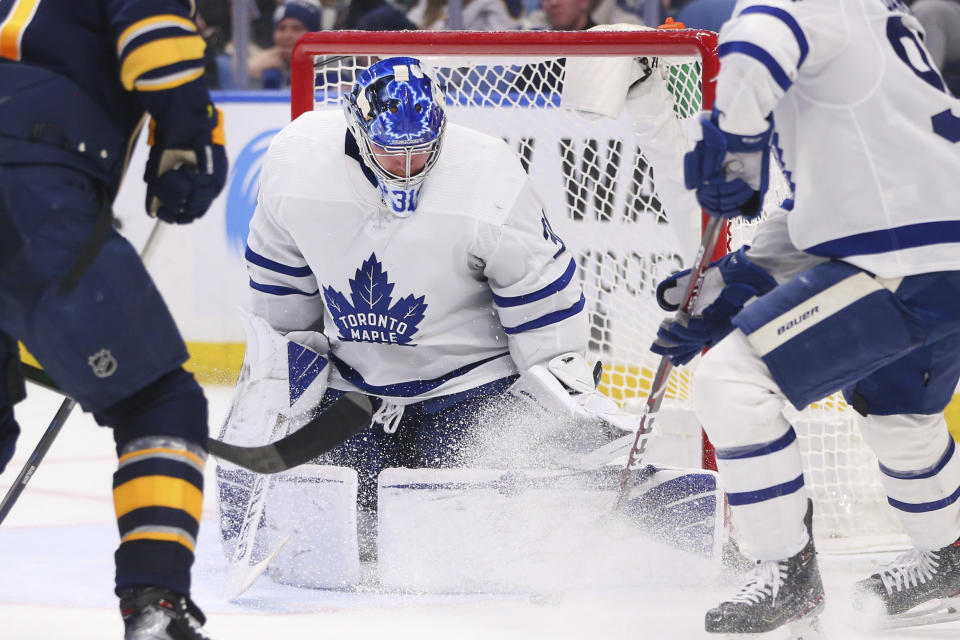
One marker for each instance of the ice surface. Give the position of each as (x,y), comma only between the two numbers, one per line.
(56,572)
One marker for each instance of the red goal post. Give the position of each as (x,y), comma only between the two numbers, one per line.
(601,194)
(666,42)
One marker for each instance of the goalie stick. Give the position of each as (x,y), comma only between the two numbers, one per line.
(40,377)
(346,417)
(658,388)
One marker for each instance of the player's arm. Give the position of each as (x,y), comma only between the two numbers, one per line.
(537,296)
(536,291)
(763,49)
(283,288)
(160,54)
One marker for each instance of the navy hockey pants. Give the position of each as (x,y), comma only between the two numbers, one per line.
(101,330)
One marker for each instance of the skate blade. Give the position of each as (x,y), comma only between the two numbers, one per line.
(807,629)
(937,612)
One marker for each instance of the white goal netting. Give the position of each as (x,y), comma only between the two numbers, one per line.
(600,193)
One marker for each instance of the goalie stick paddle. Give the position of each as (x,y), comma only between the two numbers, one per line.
(658,387)
(40,377)
(346,417)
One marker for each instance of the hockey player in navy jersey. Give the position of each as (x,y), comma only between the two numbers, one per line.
(77,78)
(858,278)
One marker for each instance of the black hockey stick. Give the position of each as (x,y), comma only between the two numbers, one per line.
(346,417)
(658,387)
(40,377)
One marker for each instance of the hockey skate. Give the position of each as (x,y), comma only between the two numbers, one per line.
(778,593)
(158,614)
(917,588)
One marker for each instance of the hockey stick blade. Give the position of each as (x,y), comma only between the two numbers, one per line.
(346,417)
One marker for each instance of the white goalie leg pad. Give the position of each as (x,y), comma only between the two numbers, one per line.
(316,506)
(477,530)
(920,470)
(739,405)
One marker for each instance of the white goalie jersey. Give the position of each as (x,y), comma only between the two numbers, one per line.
(850,78)
(472,287)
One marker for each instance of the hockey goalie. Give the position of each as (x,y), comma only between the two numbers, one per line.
(408,258)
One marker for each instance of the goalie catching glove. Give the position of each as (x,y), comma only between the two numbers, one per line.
(566,387)
(728,285)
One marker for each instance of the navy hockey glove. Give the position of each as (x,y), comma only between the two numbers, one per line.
(730,172)
(728,284)
(182,183)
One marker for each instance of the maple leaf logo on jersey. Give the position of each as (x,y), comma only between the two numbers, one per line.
(369,316)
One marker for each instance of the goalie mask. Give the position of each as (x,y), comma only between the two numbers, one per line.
(395,111)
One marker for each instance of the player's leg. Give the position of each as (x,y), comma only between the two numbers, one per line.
(920,471)
(817,333)
(109,341)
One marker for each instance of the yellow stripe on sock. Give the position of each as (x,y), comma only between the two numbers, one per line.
(158,491)
(158,535)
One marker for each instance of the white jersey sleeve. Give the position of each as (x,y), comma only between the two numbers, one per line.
(865,131)
(283,287)
(532,275)
(762,49)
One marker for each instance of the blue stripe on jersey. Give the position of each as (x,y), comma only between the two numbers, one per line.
(405,389)
(552,288)
(277,290)
(756,450)
(923,507)
(761,495)
(923,473)
(786,19)
(262,261)
(760,55)
(550,318)
(884,240)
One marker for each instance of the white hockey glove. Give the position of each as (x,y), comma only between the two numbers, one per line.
(566,388)
(283,376)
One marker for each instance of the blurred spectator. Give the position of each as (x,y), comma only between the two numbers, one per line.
(293,18)
(561,15)
(387,16)
(477,15)
(941,21)
(705,14)
(214,23)
(624,11)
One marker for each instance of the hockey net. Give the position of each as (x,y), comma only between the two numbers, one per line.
(601,195)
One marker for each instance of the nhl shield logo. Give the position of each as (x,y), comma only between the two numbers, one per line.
(103,363)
